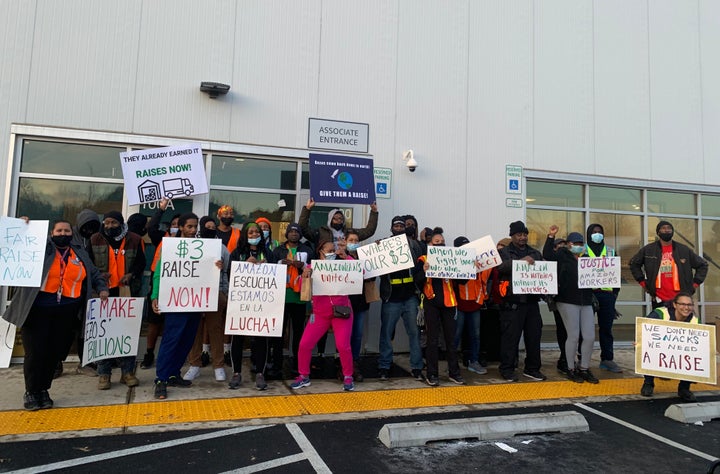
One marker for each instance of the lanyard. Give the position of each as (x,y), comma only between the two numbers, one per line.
(63,266)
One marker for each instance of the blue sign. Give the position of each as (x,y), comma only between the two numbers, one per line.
(381,188)
(342,179)
(514,184)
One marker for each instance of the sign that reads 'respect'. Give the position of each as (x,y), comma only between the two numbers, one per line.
(342,179)
(338,135)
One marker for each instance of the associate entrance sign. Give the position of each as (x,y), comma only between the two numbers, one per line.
(342,179)
(156,173)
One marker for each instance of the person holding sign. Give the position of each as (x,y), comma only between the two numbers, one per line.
(440,310)
(328,311)
(48,315)
(682,310)
(335,228)
(574,304)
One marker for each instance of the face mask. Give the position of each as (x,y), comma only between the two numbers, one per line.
(86,232)
(577,249)
(329,256)
(208,233)
(666,236)
(113,231)
(597,237)
(226,220)
(61,241)
(353,247)
(410,230)
(337,226)
(174,230)
(254,241)
(266,234)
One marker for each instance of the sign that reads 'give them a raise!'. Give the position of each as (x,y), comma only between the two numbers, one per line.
(342,179)
(156,173)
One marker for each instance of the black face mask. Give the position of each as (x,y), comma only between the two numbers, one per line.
(113,231)
(208,233)
(61,241)
(410,231)
(227,220)
(337,226)
(87,232)
(666,236)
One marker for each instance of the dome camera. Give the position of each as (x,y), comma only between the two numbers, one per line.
(410,161)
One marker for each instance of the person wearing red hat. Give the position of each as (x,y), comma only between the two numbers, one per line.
(266,229)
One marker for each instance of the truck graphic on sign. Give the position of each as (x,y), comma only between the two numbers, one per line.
(177,186)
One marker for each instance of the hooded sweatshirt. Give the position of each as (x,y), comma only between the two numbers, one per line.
(83,217)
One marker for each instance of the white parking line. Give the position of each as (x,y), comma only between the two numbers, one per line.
(650,434)
(308,449)
(139,449)
(263,466)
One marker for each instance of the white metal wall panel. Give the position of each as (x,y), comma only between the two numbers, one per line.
(432,113)
(275,80)
(183,43)
(710,68)
(16,33)
(563,64)
(622,94)
(83,64)
(499,109)
(358,69)
(675,92)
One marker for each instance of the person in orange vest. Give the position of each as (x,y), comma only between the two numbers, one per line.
(440,309)
(48,314)
(471,299)
(228,234)
(120,256)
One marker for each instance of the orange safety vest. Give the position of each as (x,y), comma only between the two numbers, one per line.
(70,275)
(116,265)
(294,279)
(475,290)
(449,299)
(234,239)
(156,257)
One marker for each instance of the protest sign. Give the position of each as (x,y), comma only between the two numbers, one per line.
(22,251)
(599,272)
(457,263)
(337,277)
(112,328)
(7,333)
(256,299)
(168,172)
(189,279)
(675,350)
(387,256)
(346,179)
(486,252)
(539,278)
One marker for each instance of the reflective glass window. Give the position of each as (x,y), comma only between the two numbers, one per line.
(71,159)
(671,203)
(543,193)
(252,172)
(615,199)
(250,205)
(540,220)
(711,252)
(710,205)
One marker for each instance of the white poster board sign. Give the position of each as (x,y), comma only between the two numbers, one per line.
(486,252)
(112,328)
(337,277)
(169,172)
(7,333)
(22,251)
(599,272)
(387,256)
(675,350)
(189,278)
(537,279)
(256,299)
(456,263)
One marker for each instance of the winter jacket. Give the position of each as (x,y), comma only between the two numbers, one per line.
(568,291)
(508,254)
(325,233)
(645,266)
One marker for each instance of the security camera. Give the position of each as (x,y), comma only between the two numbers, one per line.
(214,89)
(410,160)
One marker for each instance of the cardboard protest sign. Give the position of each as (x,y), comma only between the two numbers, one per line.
(168,172)
(675,350)
(387,256)
(256,299)
(457,263)
(22,251)
(486,252)
(337,277)
(599,272)
(346,179)
(539,278)
(112,328)
(189,279)
(7,341)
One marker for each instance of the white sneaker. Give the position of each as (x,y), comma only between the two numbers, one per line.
(220,374)
(191,373)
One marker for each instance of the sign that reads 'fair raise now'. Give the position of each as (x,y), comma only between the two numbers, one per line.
(22,251)
(539,278)
(189,277)
(456,263)
(256,299)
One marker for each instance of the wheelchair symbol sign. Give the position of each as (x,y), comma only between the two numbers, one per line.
(381,188)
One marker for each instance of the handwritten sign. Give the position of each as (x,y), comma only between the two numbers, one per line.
(22,250)
(486,253)
(256,299)
(169,172)
(387,256)
(539,278)
(337,277)
(675,350)
(599,272)
(189,279)
(112,328)
(7,338)
(451,262)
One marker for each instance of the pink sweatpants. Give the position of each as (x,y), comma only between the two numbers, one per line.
(342,329)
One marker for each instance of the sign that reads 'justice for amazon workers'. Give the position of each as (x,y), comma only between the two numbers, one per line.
(342,179)
(537,279)
(112,328)
(256,299)
(599,272)
(189,277)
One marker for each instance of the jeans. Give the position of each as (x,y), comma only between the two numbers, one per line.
(606,316)
(357,333)
(471,320)
(391,312)
(177,341)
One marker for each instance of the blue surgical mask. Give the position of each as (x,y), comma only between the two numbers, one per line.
(254,241)
(174,230)
(330,256)
(353,247)
(266,234)
(597,237)
(577,249)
